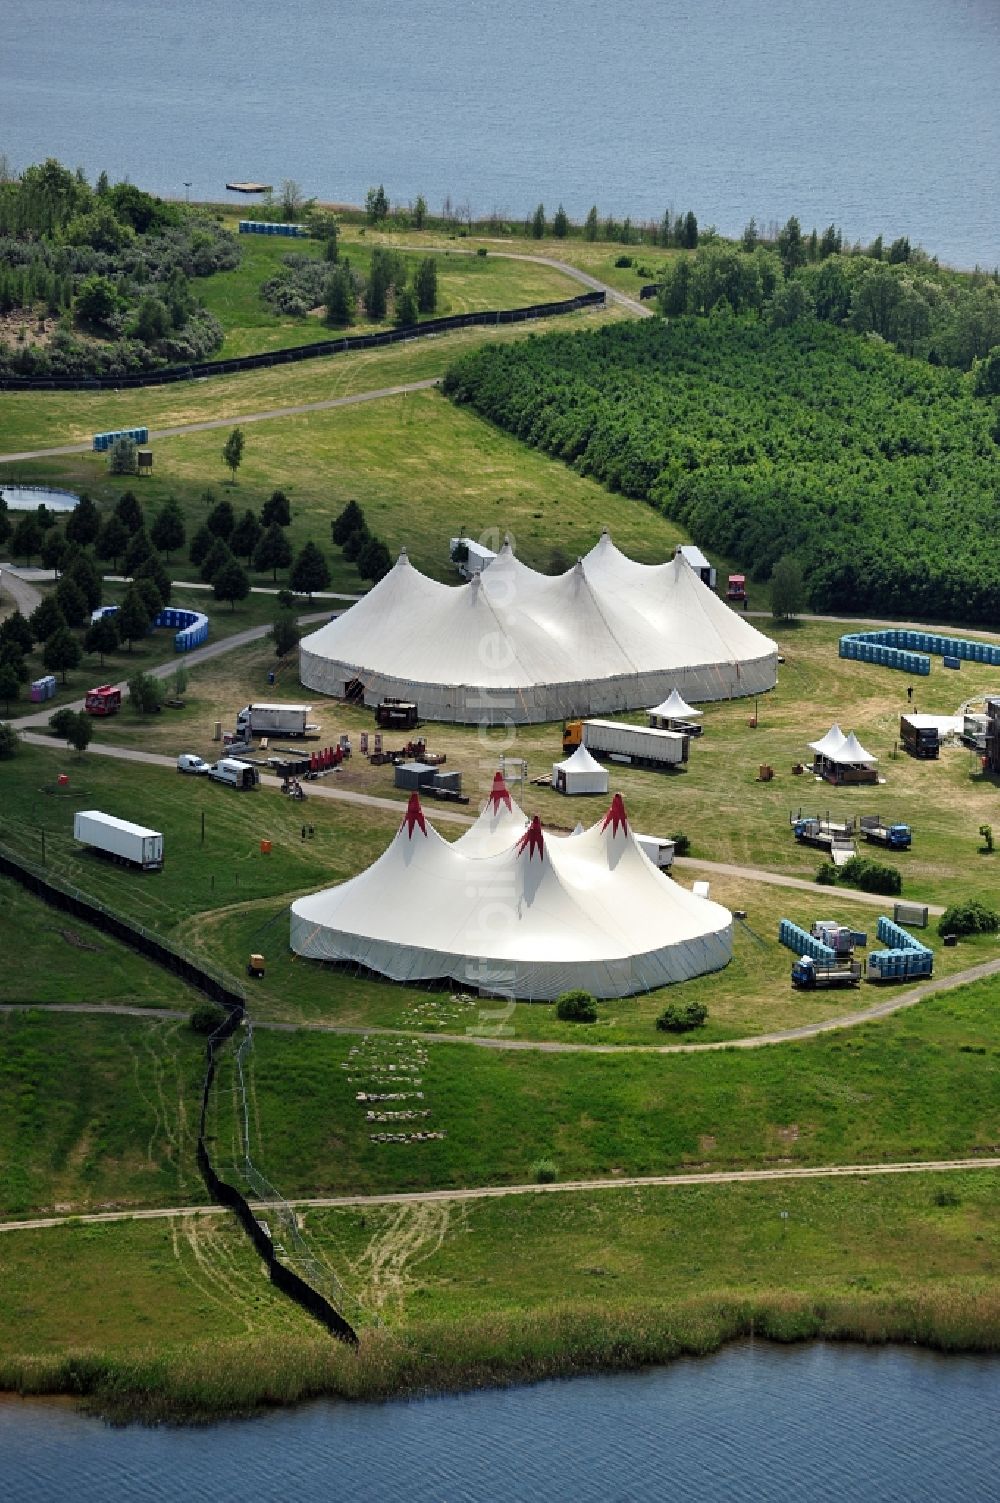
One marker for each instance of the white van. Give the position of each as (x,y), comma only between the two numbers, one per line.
(188,762)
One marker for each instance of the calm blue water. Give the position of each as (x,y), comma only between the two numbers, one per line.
(754,1423)
(880,115)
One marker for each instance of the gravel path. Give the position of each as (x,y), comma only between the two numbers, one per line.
(495,1192)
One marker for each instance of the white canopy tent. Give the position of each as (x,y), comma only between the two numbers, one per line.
(515,646)
(672,708)
(830,743)
(531,918)
(579,773)
(842,759)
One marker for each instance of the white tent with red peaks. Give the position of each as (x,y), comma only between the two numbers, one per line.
(512,645)
(512,911)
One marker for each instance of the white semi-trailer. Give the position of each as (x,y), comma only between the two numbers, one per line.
(274,720)
(119,838)
(639,744)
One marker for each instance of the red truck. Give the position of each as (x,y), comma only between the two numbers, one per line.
(105,700)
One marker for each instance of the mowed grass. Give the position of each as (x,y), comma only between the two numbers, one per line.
(475,1260)
(51,956)
(921,1085)
(421,470)
(97,1113)
(100,1112)
(465,285)
(41,420)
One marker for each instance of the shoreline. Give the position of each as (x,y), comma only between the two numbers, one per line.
(245,1379)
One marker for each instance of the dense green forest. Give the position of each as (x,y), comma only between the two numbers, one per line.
(98,280)
(881,473)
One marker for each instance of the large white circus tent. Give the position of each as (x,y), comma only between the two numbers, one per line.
(514,645)
(517,912)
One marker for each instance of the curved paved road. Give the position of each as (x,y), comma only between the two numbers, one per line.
(496,1192)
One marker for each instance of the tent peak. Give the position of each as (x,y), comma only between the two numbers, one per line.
(403,558)
(616,816)
(499,793)
(532,840)
(413,817)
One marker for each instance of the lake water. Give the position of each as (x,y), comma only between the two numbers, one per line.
(755,1422)
(30,497)
(879,115)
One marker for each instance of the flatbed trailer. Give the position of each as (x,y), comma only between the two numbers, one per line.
(897,837)
(836,839)
(810,975)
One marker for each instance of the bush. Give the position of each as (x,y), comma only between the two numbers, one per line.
(544,1172)
(10,741)
(623,261)
(679,1017)
(969,918)
(682,844)
(826,876)
(206,1017)
(576,1007)
(871,876)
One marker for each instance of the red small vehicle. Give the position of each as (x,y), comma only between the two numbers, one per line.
(737,589)
(106,700)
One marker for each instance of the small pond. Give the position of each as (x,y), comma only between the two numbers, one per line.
(28,497)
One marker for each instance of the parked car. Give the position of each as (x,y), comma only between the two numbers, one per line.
(188,762)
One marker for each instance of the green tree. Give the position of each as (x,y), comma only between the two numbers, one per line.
(83,571)
(245,535)
(331,245)
(376,205)
(46,619)
(97,301)
(10,684)
(680,1017)
(875,303)
(374,560)
(420,212)
(354,543)
(346,522)
(231,582)
(60,722)
(10,742)
(292,202)
(285,634)
(273,552)
(590,225)
(27,540)
(276,509)
(232,452)
(791,246)
(83,525)
(152,320)
(560,224)
(149,593)
(102,636)
(138,550)
(341,298)
(123,456)
(215,559)
(221,520)
(61,652)
(129,512)
(425,285)
(200,544)
(72,601)
(152,569)
(986,374)
(15,632)
(789,304)
(5,522)
(113,541)
(787,588)
(80,733)
(690,231)
(538,223)
(751,236)
(310,571)
(405,313)
(134,620)
(55,550)
(145,694)
(168,531)
(377,287)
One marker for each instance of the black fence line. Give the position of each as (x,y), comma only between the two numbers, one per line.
(299,352)
(81,907)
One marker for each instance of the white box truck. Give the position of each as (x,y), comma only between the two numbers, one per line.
(274,720)
(659,850)
(119,839)
(641,745)
(234,773)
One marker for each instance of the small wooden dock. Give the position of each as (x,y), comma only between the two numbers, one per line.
(249,187)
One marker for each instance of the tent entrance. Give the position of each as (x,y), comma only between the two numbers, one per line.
(354,691)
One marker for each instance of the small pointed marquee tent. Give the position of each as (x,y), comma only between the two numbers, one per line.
(673,708)
(516,912)
(579,773)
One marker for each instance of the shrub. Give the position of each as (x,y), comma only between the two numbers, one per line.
(10,741)
(544,1172)
(576,1007)
(969,918)
(623,261)
(871,876)
(679,1017)
(682,844)
(206,1017)
(826,876)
